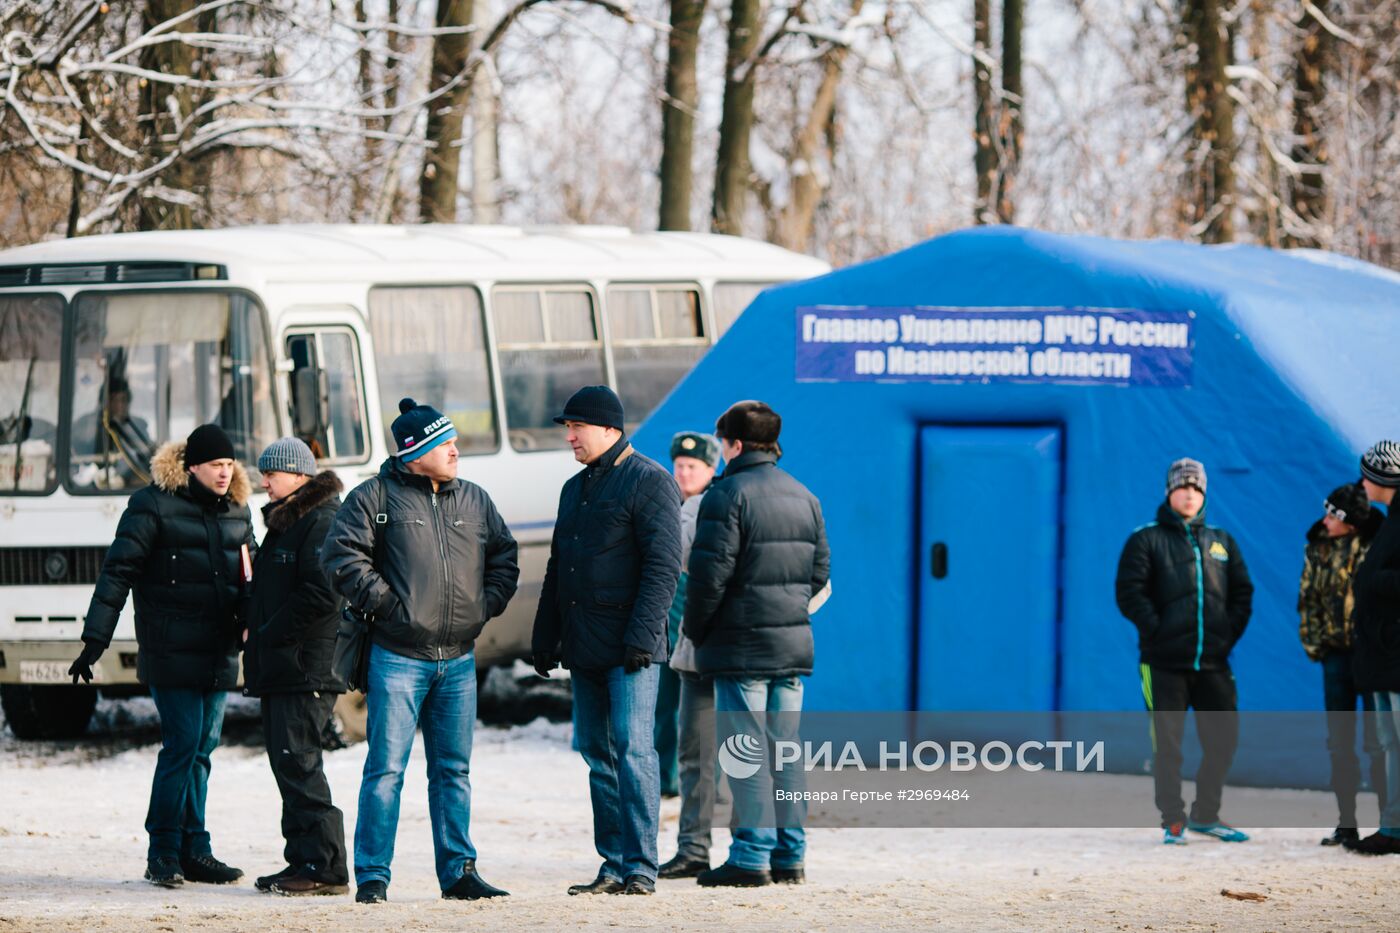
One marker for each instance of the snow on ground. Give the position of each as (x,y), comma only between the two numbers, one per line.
(72,851)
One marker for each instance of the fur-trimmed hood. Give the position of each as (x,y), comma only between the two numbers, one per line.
(168,473)
(324,486)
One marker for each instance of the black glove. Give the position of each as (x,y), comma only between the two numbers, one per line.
(635,659)
(83,666)
(544,663)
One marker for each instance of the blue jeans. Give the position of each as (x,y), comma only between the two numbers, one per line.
(784,843)
(1339,696)
(190,723)
(404,693)
(614,713)
(1388,726)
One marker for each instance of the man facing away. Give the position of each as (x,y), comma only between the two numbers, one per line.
(180,548)
(760,555)
(613,566)
(1184,585)
(429,557)
(287,657)
(1336,544)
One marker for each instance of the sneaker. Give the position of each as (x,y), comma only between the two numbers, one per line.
(1174,834)
(264,883)
(208,870)
(683,866)
(789,875)
(732,876)
(164,872)
(1342,836)
(1219,830)
(1378,843)
(372,892)
(304,883)
(639,884)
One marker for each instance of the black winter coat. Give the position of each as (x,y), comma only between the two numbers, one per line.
(177,550)
(1187,589)
(447,563)
(613,563)
(760,555)
(1375,656)
(293,615)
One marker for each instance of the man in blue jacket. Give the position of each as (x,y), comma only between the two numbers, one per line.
(1184,585)
(612,572)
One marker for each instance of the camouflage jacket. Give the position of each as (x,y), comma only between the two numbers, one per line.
(1325,600)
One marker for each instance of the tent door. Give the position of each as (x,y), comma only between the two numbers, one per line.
(989,530)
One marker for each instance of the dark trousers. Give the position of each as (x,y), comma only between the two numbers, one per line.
(190,723)
(1169,694)
(311,824)
(1340,695)
(665,735)
(697,766)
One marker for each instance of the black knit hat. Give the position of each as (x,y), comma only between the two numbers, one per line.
(751,422)
(1381,464)
(1349,504)
(593,405)
(207,442)
(418,429)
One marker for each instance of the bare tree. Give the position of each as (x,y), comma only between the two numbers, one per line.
(736,119)
(1309,194)
(679,104)
(1210,201)
(1009,124)
(442,162)
(984,133)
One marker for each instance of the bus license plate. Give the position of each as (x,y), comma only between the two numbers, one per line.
(50,672)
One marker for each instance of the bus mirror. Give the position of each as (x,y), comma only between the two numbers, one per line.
(307,401)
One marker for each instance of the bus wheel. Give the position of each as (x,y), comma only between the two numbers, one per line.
(351,717)
(47,712)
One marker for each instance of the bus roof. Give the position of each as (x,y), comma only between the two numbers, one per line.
(305,252)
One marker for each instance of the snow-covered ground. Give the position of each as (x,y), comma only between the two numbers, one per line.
(72,851)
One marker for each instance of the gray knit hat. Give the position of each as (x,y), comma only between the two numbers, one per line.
(1186,472)
(1381,464)
(287,455)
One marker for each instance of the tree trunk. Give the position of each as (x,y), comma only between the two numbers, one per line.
(160,103)
(736,119)
(442,160)
(362,185)
(1210,168)
(1012,22)
(984,157)
(678,114)
(808,180)
(486,205)
(1309,190)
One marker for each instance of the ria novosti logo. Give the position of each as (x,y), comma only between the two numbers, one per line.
(741,756)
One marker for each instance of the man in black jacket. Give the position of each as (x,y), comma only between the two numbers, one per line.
(182,547)
(429,557)
(760,555)
(613,566)
(1376,659)
(1184,585)
(287,662)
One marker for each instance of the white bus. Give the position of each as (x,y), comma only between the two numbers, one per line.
(111,345)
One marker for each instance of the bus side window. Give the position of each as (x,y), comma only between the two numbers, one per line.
(326,363)
(657,334)
(729,299)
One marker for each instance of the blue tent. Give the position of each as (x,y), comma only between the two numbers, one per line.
(986,417)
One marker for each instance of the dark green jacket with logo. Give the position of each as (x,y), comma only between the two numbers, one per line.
(1186,588)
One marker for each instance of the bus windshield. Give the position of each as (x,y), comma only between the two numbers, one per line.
(31,354)
(150,367)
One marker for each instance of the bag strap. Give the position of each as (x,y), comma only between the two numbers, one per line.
(381,519)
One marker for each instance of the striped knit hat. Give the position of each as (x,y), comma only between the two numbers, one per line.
(1186,472)
(419,429)
(1381,464)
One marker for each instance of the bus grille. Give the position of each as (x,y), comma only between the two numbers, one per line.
(50,566)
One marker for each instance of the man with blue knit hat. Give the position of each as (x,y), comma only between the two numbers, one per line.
(427,558)
(1185,587)
(612,572)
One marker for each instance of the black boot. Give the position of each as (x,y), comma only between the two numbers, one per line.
(1377,843)
(603,884)
(1341,836)
(470,887)
(789,875)
(639,884)
(265,882)
(208,870)
(732,876)
(372,892)
(164,872)
(683,866)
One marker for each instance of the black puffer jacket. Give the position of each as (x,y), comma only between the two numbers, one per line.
(1375,656)
(448,562)
(1187,589)
(177,549)
(613,563)
(293,614)
(760,554)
